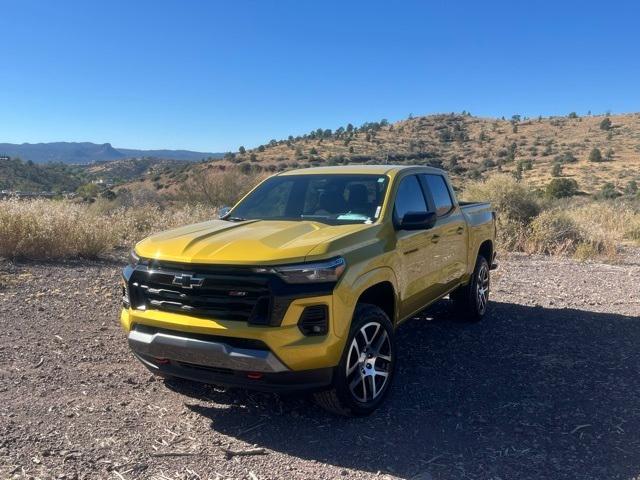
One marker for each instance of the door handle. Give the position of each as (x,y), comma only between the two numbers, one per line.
(460,230)
(435,238)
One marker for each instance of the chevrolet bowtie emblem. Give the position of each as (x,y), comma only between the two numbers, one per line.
(188,281)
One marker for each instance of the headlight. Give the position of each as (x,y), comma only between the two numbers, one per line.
(317,272)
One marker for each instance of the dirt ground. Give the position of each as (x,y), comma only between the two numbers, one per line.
(547,386)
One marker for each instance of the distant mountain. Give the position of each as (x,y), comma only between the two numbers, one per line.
(87,152)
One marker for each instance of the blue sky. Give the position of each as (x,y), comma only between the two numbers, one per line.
(211,76)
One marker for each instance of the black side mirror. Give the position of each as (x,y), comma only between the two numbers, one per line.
(223,212)
(418,221)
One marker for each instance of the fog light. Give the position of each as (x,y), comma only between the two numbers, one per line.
(314,320)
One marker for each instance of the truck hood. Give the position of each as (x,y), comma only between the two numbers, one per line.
(253,242)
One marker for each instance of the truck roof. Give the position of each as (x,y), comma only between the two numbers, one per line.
(362,169)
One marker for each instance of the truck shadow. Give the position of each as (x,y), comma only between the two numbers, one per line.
(530,392)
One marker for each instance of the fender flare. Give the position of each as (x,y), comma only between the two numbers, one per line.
(374,277)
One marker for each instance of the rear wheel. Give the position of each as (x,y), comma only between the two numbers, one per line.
(365,373)
(470,301)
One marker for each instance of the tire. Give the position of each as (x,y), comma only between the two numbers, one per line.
(470,301)
(365,373)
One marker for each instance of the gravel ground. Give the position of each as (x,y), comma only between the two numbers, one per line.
(545,387)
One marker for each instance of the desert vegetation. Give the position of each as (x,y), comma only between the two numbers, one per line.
(592,150)
(59,229)
(551,221)
(532,221)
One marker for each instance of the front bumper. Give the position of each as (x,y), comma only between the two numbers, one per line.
(215,360)
(206,352)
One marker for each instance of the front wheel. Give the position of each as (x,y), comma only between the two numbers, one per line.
(470,301)
(365,373)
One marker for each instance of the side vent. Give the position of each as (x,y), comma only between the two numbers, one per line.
(314,320)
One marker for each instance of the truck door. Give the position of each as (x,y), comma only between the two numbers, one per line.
(418,275)
(450,250)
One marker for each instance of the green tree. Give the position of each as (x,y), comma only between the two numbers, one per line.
(261,148)
(609,155)
(518,172)
(605,124)
(608,191)
(565,157)
(561,188)
(595,155)
(631,189)
(573,115)
(88,191)
(242,150)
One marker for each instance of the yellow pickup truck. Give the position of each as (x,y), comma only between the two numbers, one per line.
(302,284)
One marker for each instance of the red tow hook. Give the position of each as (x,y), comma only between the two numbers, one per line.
(161,361)
(254,375)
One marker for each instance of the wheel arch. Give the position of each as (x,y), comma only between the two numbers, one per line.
(486,250)
(382,295)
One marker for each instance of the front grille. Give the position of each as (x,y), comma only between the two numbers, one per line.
(225,294)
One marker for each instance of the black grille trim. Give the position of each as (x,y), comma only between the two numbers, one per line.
(226,292)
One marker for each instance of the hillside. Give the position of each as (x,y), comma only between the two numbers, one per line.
(466,146)
(27,176)
(17,175)
(122,170)
(87,152)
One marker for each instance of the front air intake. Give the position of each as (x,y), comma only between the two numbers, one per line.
(314,320)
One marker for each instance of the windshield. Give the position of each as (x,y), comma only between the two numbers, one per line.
(324,198)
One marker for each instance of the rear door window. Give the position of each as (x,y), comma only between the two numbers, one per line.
(440,193)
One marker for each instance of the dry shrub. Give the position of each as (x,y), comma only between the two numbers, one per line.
(134,224)
(585,230)
(47,229)
(605,225)
(218,187)
(515,204)
(554,233)
(580,227)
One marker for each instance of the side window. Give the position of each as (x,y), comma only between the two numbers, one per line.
(409,197)
(440,193)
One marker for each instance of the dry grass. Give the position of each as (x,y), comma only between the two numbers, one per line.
(45,229)
(580,227)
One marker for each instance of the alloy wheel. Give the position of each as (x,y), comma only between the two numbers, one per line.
(369,362)
(482,288)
